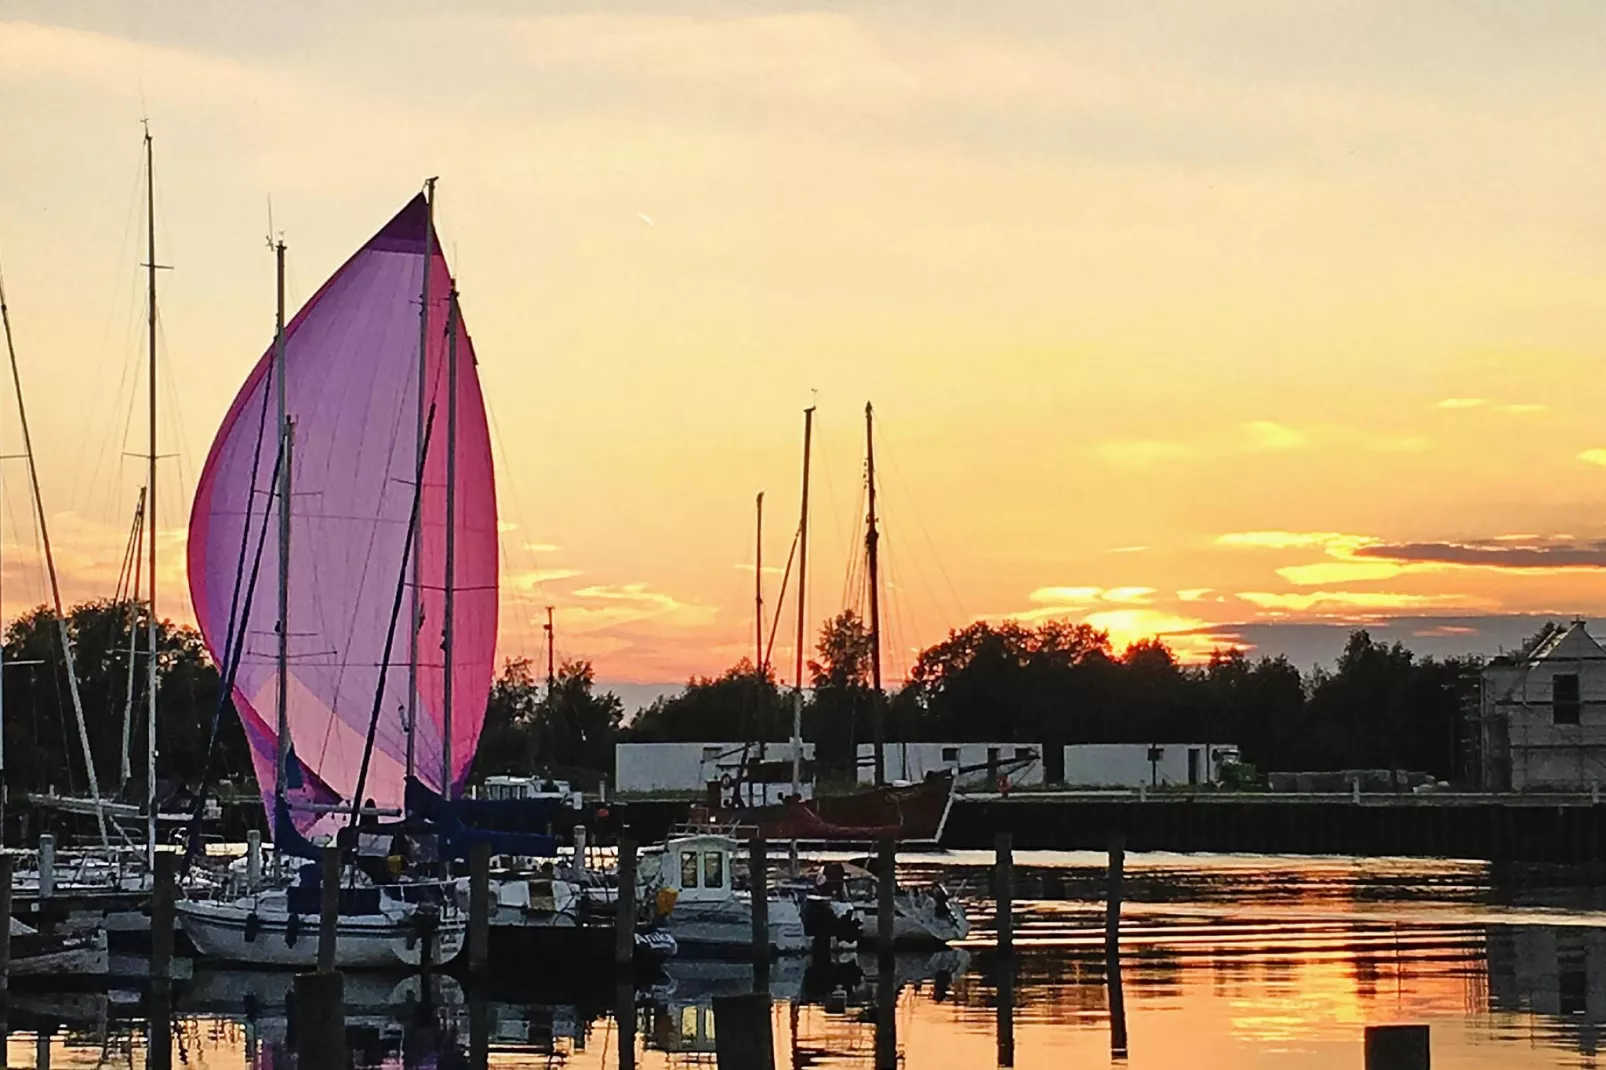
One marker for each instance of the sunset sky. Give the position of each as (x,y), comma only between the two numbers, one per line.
(1250,319)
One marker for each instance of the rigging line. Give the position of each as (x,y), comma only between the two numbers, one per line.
(238,623)
(135,188)
(780,602)
(390,632)
(518,506)
(231,668)
(914,510)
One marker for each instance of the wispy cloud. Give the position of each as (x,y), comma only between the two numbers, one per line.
(1193,594)
(541,547)
(1502,554)
(536,576)
(1266,435)
(1363,600)
(1322,572)
(1137,595)
(1061,596)
(1127,549)
(1462,403)
(1593,456)
(1335,542)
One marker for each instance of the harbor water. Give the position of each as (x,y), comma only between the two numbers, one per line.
(1228,961)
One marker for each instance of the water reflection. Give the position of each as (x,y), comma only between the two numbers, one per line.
(1227,963)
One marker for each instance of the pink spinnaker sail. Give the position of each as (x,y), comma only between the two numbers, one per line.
(352,389)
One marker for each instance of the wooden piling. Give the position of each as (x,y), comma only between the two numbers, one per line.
(329,917)
(1398,1047)
(1112,944)
(163,910)
(1004,891)
(159,1032)
(479,907)
(624,922)
(1006,1011)
(7,864)
(743,1037)
(320,1012)
(624,1016)
(886,902)
(47,866)
(253,860)
(886,1015)
(758,873)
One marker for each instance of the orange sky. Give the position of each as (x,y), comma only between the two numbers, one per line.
(1249,312)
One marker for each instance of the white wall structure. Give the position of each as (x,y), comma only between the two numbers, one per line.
(1543,715)
(1133,765)
(912,761)
(687,768)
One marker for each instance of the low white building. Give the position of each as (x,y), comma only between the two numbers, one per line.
(1147,765)
(1542,715)
(912,761)
(684,769)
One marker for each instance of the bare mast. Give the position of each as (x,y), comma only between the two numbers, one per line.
(136,555)
(450,582)
(150,511)
(282,627)
(758,590)
(50,569)
(416,616)
(802,607)
(872,539)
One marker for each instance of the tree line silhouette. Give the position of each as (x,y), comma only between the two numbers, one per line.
(1380,706)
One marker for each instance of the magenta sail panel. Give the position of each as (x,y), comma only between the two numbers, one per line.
(352,388)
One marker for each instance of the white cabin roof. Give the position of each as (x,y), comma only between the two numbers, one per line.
(1572,643)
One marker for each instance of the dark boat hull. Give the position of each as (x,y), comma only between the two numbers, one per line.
(908,813)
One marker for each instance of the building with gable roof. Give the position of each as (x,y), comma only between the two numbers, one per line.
(1542,714)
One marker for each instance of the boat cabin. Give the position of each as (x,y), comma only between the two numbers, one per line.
(698,868)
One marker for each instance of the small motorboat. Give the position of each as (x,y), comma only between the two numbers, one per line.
(689,879)
(924,916)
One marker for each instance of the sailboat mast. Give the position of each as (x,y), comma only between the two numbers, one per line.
(551,662)
(758,591)
(281,390)
(448,628)
(872,540)
(802,607)
(415,617)
(150,502)
(50,569)
(136,558)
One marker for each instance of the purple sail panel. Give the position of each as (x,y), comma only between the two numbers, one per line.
(352,388)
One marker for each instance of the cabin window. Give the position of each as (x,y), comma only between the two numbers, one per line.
(950,754)
(1023,754)
(711,754)
(713,869)
(1564,704)
(688,869)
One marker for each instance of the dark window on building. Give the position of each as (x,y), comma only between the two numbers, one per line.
(1023,754)
(1564,704)
(950,754)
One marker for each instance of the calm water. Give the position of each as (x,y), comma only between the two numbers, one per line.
(1228,962)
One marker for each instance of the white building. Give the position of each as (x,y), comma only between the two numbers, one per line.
(684,769)
(1542,715)
(912,761)
(1148,765)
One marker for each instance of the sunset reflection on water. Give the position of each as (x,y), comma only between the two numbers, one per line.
(1226,963)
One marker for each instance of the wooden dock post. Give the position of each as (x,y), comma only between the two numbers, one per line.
(329,916)
(624,921)
(758,879)
(624,1016)
(886,906)
(253,860)
(163,909)
(320,1020)
(159,1032)
(1112,944)
(886,1015)
(1398,1047)
(1006,1011)
(47,866)
(1004,891)
(479,907)
(7,864)
(743,1036)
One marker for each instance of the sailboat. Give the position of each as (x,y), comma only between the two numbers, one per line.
(382,454)
(911,813)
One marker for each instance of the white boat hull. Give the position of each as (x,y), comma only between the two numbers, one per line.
(726,927)
(219,930)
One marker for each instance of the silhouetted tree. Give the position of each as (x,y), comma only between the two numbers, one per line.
(574,726)
(738,705)
(841,712)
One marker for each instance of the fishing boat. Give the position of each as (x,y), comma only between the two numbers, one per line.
(691,876)
(378,452)
(923,917)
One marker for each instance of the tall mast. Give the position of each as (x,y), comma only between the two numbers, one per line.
(50,569)
(449,627)
(872,539)
(136,556)
(281,392)
(415,617)
(758,591)
(150,502)
(551,641)
(802,606)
